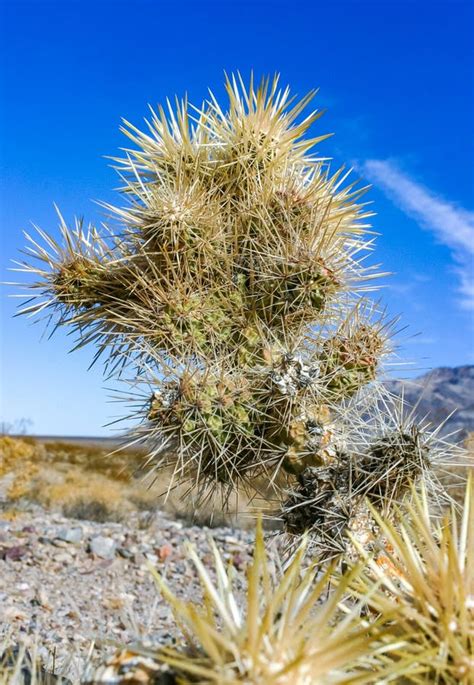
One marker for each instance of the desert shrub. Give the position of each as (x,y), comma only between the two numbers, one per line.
(404,613)
(80,481)
(18,457)
(119,465)
(80,496)
(89,483)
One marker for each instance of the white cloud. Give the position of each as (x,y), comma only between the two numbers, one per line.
(453,226)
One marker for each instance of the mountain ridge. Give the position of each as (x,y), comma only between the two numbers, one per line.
(444,394)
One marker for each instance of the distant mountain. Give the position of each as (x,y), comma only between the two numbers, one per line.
(440,392)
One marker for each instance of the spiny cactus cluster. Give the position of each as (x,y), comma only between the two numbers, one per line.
(288,627)
(374,465)
(425,579)
(232,283)
(403,614)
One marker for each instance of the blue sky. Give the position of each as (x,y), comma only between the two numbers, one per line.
(395,76)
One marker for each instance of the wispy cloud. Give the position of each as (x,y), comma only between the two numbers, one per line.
(453,226)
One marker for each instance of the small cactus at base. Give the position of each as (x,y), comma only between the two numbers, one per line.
(424,571)
(403,614)
(288,629)
(300,623)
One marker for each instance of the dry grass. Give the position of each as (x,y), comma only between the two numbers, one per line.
(22,665)
(19,458)
(86,481)
(82,481)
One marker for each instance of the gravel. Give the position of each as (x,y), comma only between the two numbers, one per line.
(77,586)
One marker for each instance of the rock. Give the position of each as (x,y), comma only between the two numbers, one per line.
(138,559)
(164,552)
(125,553)
(28,529)
(10,613)
(63,558)
(238,561)
(41,599)
(72,535)
(102,547)
(59,543)
(114,603)
(14,553)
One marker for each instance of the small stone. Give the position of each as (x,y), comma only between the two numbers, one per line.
(102,547)
(175,524)
(41,599)
(28,529)
(63,558)
(14,614)
(238,561)
(164,552)
(114,603)
(14,553)
(59,543)
(72,535)
(125,553)
(138,559)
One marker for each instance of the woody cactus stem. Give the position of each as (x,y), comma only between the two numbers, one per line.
(234,272)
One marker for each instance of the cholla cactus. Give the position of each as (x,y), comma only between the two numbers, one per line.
(232,284)
(289,627)
(376,460)
(425,576)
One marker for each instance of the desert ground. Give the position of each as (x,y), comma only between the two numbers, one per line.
(79,529)
(81,525)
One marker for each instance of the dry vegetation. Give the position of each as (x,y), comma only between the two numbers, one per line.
(79,480)
(87,481)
